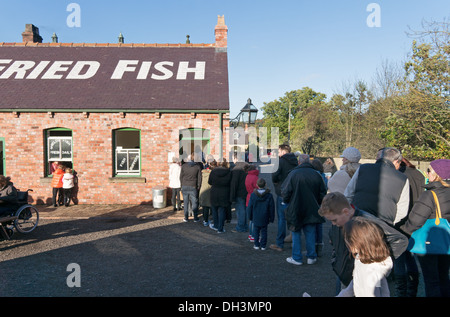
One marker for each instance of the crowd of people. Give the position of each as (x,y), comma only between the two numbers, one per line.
(373,208)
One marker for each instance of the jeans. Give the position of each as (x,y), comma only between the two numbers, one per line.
(256,231)
(241,214)
(67,196)
(218,214)
(250,223)
(206,213)
(319,233)
(435,274)
(310,240)
(281,233)
(176,199)
(405,263)
(57,192)
(190,194)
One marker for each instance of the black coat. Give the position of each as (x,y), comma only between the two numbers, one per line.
(237,185)
(261,208)
(219,179)
(286,163)
(191,175)
(425,207)
(416,183)
(304,190)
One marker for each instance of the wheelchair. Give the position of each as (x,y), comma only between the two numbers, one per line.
(25,219)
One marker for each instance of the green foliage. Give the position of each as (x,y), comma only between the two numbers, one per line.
(412,112)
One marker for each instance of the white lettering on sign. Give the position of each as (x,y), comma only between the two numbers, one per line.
(166,73)
(58,66)
(198,70)
(79,70)
(18,67)
(122,67)
(38,70)
(92,68)
(4,61)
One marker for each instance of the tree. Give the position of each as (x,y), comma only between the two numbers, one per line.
(314,125)
(276,113)
(420,120)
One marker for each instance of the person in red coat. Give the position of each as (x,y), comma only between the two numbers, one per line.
(250,185)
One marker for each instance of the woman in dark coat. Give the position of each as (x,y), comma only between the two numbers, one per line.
(219,179)
(434,267)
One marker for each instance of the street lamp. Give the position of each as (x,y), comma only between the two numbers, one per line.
(247,115)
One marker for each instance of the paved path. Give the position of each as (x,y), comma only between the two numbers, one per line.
(142,251)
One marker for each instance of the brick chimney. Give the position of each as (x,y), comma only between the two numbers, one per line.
(221,32)
(31,34)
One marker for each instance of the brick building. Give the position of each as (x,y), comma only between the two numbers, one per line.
(115,112)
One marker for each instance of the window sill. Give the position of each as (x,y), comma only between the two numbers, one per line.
(45,180)
(127,179)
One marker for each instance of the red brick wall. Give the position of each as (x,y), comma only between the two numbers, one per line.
(93,151)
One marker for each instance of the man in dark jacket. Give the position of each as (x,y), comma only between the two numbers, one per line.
(303,190)
(380,188)
(238,192)
(287,162)
(191,181)
(336,208)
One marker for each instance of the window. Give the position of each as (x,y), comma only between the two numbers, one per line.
(127,152)
(194,140)
(58,148)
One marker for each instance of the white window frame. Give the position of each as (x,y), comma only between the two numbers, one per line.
(126,161)
(59,139)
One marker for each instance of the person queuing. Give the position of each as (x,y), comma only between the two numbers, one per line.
(303,190)
(238,192)
(287,162)
(336,209)
(380,189)
(350,163)
(191,182)
(219,179)
(435,268)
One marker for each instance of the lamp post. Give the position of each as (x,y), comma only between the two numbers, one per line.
(247,115)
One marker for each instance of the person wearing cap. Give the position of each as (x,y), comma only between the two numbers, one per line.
(435,268)
(379,188)
(350,163)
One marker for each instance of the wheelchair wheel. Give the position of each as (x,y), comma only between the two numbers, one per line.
(27,219)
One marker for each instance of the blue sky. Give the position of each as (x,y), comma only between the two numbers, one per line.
(273,46)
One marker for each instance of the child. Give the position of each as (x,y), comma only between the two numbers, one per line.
(261,211)
(365,240)
(57,190)
(67,186)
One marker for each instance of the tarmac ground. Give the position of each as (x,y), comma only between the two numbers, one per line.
(141,251)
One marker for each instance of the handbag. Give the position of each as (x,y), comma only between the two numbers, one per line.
(433,237)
